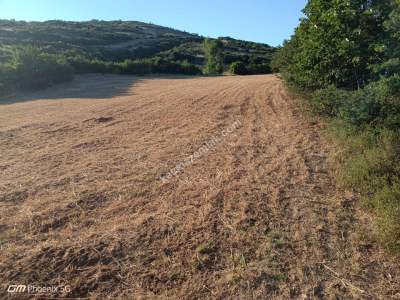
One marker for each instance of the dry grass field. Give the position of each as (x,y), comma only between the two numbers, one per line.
(96,193)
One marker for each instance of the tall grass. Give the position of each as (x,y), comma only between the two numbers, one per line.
(366,156)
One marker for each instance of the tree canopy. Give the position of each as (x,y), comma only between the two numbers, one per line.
(214,59)
(336,43)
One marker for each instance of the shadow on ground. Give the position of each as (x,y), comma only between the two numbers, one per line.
(94,86)
(88,86)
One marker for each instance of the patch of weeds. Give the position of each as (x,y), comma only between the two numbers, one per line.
(234,278)
(386,203)
(277,240)
(279,277)
(276,243)
(239,261)
(271,259)
(369,163)
(204,249)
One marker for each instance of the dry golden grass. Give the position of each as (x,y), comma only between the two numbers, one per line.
(257,216)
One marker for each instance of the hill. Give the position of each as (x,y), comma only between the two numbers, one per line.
(35,55)
(120,40)
(233,50)
(107,40)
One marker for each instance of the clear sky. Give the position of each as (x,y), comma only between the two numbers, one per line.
(268,21)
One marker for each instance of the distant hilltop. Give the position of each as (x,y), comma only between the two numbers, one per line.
(120,40)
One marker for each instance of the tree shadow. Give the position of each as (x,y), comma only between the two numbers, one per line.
(90,86)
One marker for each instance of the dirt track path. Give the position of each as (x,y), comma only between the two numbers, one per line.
(256,216)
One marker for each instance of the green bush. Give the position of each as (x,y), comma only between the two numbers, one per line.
(386,203)
(368,159)
(238,68)
(157,65)
(189,69)
(36,70)
(369,162)
(135,67)
(7,79)
(261,68)
(377,103)
(160,65)
(327,102)
(83,65)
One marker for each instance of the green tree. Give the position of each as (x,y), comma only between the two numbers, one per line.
(336,42)
(345,55)
(392,25)
(238,68)
(391,65)
(214,57)
(7,78)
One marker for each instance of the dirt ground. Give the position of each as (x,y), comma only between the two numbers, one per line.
(86,199)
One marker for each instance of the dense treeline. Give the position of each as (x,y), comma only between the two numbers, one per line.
(218,56)
(29,68)
(344,59)
(133,66)
(241,68)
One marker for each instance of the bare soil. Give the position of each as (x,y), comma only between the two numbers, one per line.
(257,216)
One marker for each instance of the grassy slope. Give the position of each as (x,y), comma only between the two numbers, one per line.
(98,39)
(234,50)
(115,40)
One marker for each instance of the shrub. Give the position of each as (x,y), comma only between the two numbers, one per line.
(36,70)
(327,102)
(189,69)
(135,67)
(259,68)
(370,164)
(157,65)
(386,203)
(238,68)
(377,103)
(7,79)
(85,65)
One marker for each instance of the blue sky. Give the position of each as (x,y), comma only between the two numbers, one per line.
(268,21)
